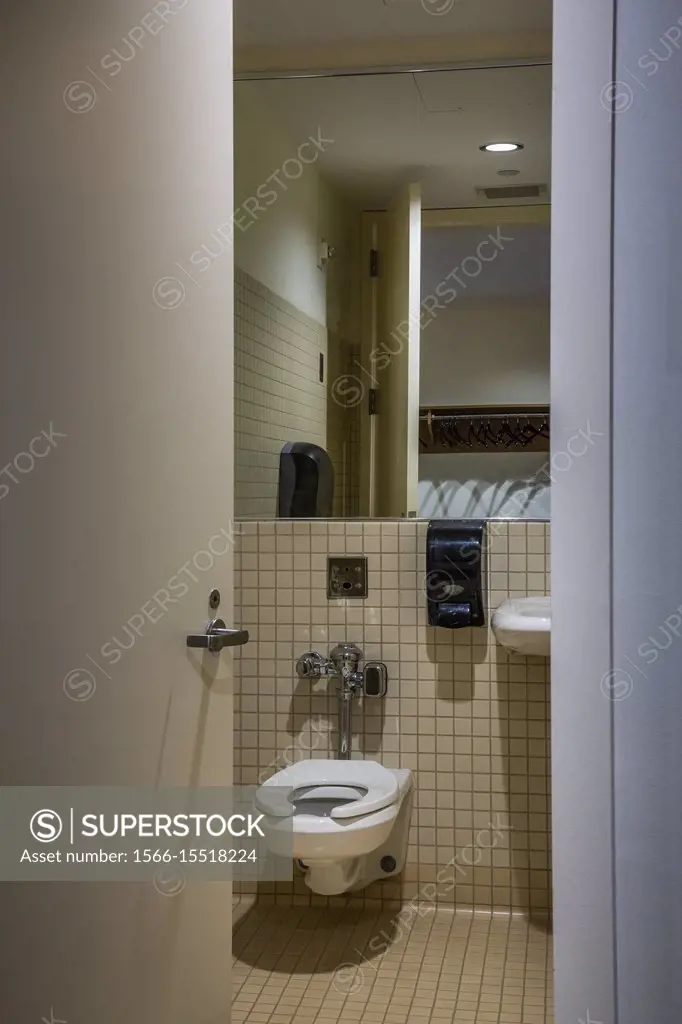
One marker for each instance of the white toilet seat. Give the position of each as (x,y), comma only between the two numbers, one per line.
(376,786)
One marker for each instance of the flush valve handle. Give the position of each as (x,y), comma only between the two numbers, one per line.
(311,665)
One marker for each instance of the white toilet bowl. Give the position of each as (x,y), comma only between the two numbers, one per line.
(350,821)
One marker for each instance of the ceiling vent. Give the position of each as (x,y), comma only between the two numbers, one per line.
(513,192)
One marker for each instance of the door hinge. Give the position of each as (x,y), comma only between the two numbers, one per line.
(372,405)
(373,262)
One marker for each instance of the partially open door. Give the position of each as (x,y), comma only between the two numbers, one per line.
(117,525)
(395,359)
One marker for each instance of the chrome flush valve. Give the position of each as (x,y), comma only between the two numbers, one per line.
(346,659)
(311,665)
(343,664)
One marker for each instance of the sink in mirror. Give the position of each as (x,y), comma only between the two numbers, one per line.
(523,625)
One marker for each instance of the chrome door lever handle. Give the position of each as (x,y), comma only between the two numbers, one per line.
(217,636)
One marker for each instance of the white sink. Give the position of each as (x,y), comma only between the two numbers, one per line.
(523,625)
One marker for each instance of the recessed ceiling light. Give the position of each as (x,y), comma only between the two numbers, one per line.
(508,172)
(502,147)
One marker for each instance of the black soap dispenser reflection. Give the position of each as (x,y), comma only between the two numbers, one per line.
(454,573)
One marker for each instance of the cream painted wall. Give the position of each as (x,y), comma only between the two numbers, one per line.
(278,244)
(293,310)
(485,352)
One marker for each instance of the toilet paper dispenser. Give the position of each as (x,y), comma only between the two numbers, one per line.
(454,573)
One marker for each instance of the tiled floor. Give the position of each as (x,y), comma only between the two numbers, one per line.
(308,964)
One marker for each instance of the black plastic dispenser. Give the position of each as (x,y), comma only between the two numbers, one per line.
(306,482)
(454,571)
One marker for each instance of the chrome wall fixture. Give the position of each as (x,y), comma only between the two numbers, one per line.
(343,663)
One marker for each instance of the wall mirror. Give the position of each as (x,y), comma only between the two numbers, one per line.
(392,294)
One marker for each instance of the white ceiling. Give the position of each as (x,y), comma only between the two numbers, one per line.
(282,23)
(428,127)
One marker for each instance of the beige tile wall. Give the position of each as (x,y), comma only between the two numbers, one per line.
(278,395)
(469,719)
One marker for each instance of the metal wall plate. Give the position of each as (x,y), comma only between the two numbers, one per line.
(347,576)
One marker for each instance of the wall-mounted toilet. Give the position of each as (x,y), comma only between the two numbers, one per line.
(350,819)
